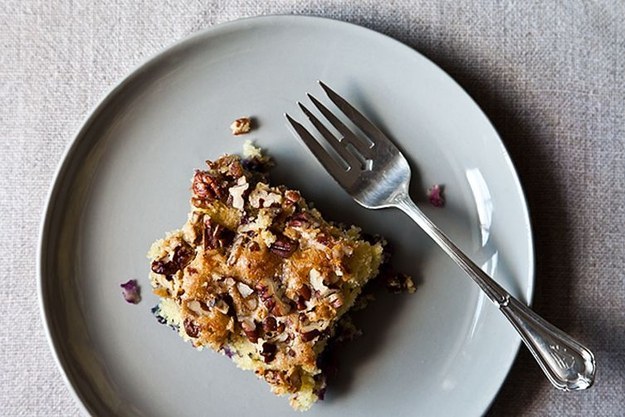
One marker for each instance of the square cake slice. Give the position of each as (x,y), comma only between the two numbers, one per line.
(257,274)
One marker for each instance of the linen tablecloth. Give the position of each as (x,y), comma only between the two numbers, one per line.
(550,76)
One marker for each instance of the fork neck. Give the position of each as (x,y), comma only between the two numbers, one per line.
(493,290)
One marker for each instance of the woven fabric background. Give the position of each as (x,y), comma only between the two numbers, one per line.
(550,75)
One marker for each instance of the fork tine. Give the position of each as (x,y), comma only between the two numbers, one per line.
(347,156)
(348,135)
(322,156)
(371,130)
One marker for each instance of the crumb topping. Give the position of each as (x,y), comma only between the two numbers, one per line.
(259,275)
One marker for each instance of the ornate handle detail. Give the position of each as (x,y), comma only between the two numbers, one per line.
(567,363)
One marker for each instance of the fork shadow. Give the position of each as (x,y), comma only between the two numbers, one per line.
(373,321)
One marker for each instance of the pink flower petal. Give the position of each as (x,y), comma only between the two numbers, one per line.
(435,195)
(131,291)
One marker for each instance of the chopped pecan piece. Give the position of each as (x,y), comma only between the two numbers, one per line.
(164,267)
(251,330)
(281,327)
(324,239)
(304,292)
(300,303)
(235,169)
(183,254)
(215,235)
(191,328)
(283,246)
(310,335)
(292,196)
(396,282)
(268,352)
(271,299)
(300,219)
(241,126)
(270,324)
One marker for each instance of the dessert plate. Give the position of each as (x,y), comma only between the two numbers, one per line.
(125,179)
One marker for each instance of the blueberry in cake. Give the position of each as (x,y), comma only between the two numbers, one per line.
(257,274)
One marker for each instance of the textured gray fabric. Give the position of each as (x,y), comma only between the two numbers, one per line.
(550,75)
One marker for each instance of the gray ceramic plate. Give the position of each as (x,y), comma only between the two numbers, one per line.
(125,181)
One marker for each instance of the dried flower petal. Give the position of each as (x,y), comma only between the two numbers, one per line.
(435,195)
(131,291)
(228,352)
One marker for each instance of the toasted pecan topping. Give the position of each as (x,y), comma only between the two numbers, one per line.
(258,274)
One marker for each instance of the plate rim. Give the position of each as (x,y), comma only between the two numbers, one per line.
(118,86)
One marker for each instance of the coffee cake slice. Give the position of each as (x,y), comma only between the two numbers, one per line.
(257,274)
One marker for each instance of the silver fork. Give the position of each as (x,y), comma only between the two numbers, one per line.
(376,174)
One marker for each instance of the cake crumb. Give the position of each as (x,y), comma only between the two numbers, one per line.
(250,150)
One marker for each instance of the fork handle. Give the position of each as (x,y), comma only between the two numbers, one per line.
(567,363)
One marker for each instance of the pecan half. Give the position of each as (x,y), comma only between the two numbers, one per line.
(207,186)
